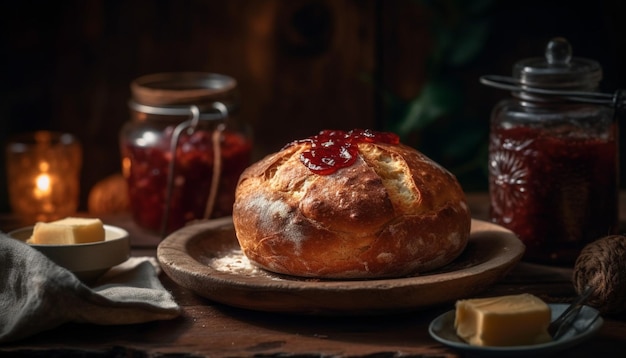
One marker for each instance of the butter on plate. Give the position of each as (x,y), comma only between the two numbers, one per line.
(514,320)
(68,231)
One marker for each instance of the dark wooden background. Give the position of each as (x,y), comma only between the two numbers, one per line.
(301,65)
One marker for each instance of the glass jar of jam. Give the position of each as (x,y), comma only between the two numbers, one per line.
(553,160)
(183,149)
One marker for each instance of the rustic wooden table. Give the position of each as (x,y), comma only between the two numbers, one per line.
(206,328)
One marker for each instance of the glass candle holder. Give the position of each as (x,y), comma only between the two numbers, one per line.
(43,175)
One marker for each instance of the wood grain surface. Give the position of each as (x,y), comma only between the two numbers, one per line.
(210,329)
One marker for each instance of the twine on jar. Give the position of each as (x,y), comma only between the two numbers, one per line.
(602,265)
(217,162)
(216,138)
(188,124)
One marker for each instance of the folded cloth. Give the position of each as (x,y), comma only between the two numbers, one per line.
(36,294)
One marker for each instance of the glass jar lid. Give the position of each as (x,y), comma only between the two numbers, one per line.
(173,94)
(558,69)
(181,88)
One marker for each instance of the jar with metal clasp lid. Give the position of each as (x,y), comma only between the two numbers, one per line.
(183,149)
(553,155)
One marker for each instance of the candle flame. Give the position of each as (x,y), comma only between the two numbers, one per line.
(43,183)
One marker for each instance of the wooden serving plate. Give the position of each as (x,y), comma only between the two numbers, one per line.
(206,258)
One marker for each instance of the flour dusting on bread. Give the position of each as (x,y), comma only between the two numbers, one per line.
(391,211)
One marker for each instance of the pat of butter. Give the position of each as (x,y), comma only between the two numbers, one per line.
(68,231)
(514,320)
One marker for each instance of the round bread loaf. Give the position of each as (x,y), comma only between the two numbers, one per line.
(390,212)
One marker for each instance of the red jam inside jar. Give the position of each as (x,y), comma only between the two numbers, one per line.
(148,177)
(332,150)
(556,192)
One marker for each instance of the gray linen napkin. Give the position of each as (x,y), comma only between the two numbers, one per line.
(37,295)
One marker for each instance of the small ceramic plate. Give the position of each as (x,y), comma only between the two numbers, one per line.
(587,323)
(86,261)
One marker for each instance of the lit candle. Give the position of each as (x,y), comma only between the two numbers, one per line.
(43,186)
(42,182)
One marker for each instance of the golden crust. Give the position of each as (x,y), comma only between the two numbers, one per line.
(392,213)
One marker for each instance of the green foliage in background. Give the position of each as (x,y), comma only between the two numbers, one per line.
(435,121)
